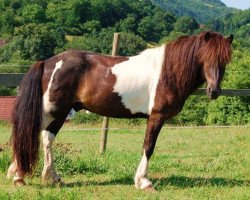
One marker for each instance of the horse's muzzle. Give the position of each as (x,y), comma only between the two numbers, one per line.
(213,93)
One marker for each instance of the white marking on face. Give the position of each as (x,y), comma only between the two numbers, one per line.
(137,79)
(47,105)
(141,180)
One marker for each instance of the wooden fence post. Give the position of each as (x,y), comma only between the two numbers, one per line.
(105,123)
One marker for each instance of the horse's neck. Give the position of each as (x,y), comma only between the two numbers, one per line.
(182,85)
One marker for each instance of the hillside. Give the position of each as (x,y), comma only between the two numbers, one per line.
(201,10)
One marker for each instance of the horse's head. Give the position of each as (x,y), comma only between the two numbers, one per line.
(214,53)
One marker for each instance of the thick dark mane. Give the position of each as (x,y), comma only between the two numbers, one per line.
(216,50)
(184,56)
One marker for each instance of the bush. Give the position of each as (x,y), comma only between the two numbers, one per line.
(86,118)
(228,111)
(7,91)
(193,113)
(33,42)
(233,110)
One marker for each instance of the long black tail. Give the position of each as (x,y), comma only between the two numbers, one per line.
(27,119)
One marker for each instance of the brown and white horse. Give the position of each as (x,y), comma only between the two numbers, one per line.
(153,85)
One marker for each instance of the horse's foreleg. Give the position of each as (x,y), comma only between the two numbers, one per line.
(154,125)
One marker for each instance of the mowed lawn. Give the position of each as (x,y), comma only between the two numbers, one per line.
(188,163)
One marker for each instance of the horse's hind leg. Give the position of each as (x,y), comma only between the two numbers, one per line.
(18,177)
(154,125)
(48,137)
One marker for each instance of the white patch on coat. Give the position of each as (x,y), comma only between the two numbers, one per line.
(141,180)
(48,169)
(137,79)
(47,105)
(47,118)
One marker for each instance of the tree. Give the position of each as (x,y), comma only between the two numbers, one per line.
(69,15)
(129,43)
(33,13)
(34,42)
(92,26)
(128,24)
(153,28)
(186,25)
(7,21)
(172,36)
(146,29)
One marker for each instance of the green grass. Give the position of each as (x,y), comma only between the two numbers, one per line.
(189,163)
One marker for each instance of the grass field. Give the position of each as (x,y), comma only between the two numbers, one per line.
(189,163)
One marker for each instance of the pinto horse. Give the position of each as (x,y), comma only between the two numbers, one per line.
(153,85)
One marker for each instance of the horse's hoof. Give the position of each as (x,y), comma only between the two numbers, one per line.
(150,189)
(57,180)
(19,183)
(60,183)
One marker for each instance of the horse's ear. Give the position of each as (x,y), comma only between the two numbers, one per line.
(230,39)
(207,36)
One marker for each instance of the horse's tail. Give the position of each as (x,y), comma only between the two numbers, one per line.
(27,119)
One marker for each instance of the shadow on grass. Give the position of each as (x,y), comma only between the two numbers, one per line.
(118,181)
(176,181)
(188,182)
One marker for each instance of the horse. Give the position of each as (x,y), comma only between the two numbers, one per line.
(153,84)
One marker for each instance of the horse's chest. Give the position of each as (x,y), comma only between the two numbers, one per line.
(136,83)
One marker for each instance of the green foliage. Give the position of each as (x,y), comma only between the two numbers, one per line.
(7,21)
(4,161)
(68,15)
(86,118)
(229,111)
(186,25)
(152,28)
(33,13)
(128,24)
(201,10)
(7,91)
(33,42)
(233,110)
(172,36)
(92,26)
(129,43)
(236,23)
(194,112)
